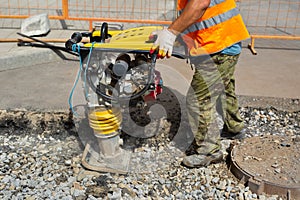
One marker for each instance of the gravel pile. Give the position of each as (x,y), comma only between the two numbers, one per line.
(40,158)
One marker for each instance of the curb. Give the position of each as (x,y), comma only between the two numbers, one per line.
(26,58)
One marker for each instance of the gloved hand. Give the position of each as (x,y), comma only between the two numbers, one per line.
(164,43)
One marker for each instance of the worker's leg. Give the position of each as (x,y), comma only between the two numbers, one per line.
(206,86)
(233,122)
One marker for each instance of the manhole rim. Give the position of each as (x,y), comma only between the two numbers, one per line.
(258,185)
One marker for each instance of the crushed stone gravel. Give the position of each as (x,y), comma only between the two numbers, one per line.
(40,158)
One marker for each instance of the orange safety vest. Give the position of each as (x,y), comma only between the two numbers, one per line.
(220,27)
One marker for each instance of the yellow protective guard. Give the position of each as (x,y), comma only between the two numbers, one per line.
(130,39)
(105,121)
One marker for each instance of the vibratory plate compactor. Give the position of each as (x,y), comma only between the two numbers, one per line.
(116,72)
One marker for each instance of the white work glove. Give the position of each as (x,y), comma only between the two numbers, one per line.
(163,43)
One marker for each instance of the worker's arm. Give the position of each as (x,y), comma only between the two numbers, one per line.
(191,13)
(166,38)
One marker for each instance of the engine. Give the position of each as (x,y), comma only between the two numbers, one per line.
(115,69)
(121,77)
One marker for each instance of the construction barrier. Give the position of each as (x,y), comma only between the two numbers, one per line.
(268,19)
(121,11)
(271,19)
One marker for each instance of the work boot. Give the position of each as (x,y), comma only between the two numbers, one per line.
(201,160)
(233,136)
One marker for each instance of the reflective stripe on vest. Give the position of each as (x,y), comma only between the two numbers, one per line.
(215,2)
(212,21)
(220,27)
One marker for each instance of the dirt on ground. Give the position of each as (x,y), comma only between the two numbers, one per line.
(273,159)
(272,126)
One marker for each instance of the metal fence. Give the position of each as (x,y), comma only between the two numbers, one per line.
(269,19)
(121,11)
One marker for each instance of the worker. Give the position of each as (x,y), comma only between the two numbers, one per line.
(213,31)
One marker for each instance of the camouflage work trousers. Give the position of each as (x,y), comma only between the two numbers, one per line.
(212,94)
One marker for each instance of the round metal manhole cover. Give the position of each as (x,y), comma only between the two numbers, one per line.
(269,164)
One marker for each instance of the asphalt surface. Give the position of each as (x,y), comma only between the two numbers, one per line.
(39,78)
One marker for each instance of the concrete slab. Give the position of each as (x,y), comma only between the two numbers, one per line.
(36,25)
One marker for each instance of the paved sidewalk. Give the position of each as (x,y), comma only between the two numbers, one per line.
(27,72)
(273,72)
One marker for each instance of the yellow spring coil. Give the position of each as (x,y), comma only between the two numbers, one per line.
(105,121)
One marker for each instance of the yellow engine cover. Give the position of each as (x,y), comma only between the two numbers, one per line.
(130,39)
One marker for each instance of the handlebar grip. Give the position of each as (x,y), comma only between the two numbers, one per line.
(75,38)
(104,32)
